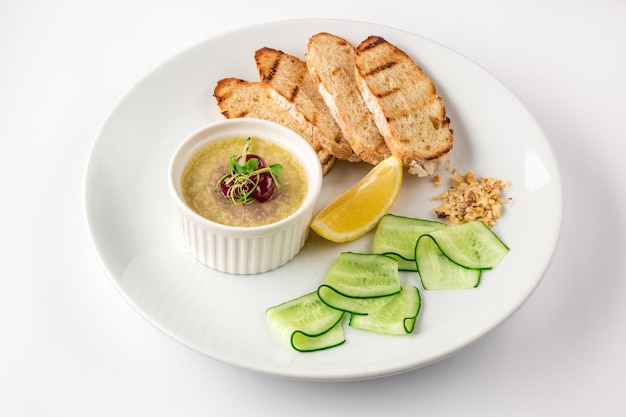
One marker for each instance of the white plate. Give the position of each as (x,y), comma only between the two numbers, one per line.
(132,222)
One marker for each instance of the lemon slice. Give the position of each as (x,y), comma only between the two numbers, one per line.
(359,209)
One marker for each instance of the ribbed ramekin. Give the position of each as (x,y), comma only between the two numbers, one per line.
(245,250)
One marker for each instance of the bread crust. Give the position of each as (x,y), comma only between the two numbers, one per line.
(405,105)
(240,98)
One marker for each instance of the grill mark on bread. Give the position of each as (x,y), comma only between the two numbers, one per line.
(240,98)
(231,115)
(376,40)
(388,92)
(267,71)
(330,60)
(406,107)
(294,89)
(328,161)
(272,71)
(382,68)
(294,93)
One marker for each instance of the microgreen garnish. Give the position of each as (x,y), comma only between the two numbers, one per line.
(247,179)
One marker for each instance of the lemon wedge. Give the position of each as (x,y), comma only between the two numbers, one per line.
(359,209)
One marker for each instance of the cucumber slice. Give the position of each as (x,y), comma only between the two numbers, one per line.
(359,283)
(472,245)
(353,305)
(361,275)
(303,342)
(437,272)
(397,316)
(307,324)
(396,237)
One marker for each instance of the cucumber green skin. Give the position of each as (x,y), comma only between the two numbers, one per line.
(404,264)
(471,245)
(359,275)
(353,305)
(303,342)
(307,323)
(396,237)
(402,323)
(437,272)
(358,283)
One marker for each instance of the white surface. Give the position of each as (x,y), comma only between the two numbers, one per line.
(131,214)
(72,345)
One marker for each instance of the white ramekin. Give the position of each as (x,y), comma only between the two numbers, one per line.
(245,250)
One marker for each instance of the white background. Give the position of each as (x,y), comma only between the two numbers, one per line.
(72,346)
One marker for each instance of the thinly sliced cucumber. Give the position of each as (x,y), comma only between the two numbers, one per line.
(306,323)
(368,286)
(358,283)
(363,275)
(303,342)
(396,237)
(397,316)
(437,272)
(472,245)
(354,305)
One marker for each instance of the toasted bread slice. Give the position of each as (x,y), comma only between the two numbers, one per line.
(241,98)
(404,101)
(330,60)
(293,87)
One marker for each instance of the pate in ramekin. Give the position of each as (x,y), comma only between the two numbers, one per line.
(205,214)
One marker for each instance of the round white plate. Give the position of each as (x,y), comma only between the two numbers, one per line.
(132,220)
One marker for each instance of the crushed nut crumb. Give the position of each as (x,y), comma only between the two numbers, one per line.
(469,199)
